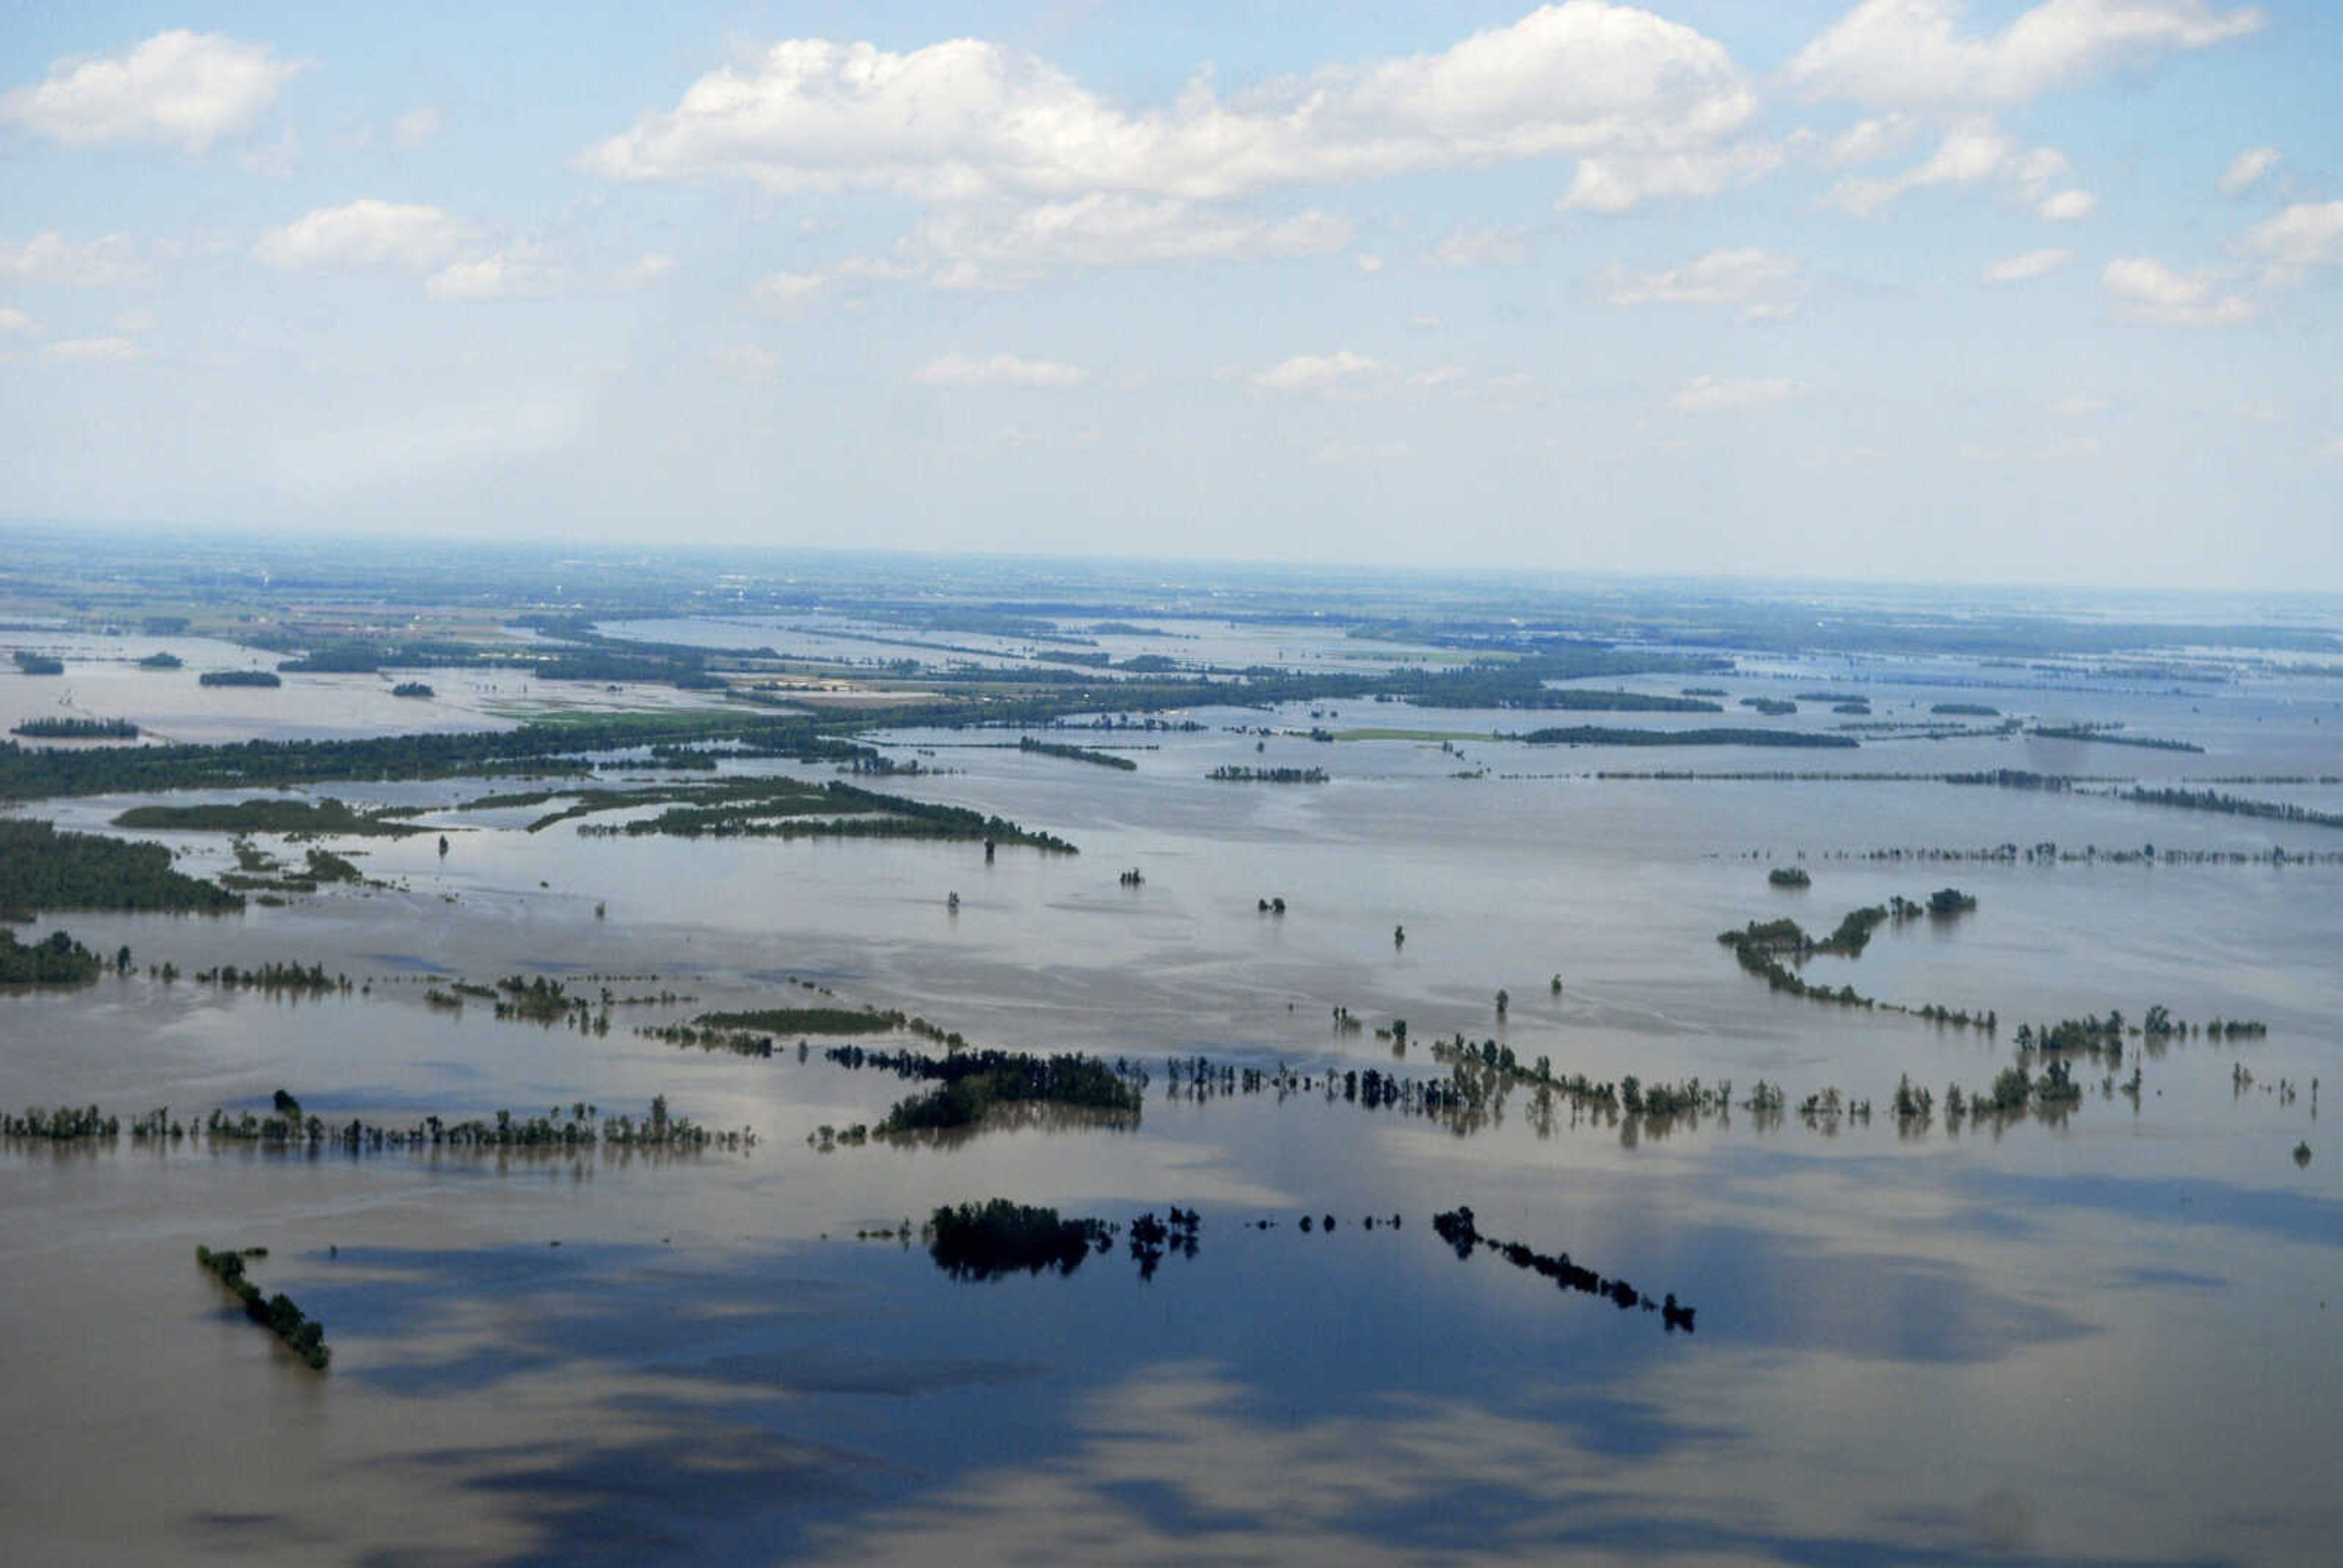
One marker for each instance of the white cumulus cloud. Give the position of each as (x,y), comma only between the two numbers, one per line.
(749,361)
(1615,182)
(1759,285)
(993,243)
(2023,268)
(51,258)
(2247,169)
(1341,374)
(94,351)
(365,233)
(1869,141)
(13,320)
(1918,52)
(970,118)
(2145,289)
(521,271)
(2307,235)
(1975,152)
(2066,206)
(419,126)
(999,370)
(1723,394)
(192,88)
(1480,247)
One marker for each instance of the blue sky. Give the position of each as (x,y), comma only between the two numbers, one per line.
(1911,289)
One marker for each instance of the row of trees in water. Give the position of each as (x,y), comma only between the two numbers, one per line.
(304,1335)
(1606,735)
(77,729)
(2108,735)
(323,816)
(287,1126)
(1230,774)
(1033,747)
(1761,946)
(969,1084)
(54,960)
(1458,1228)
(788,809)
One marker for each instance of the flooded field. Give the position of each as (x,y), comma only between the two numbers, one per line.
(2101,1329)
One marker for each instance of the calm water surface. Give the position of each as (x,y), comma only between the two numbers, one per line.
(2108,1338)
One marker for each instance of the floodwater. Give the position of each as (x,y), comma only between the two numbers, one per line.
(2111,1337)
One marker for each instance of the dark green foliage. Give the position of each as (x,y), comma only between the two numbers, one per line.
(1854,932)
(28,663)
(1519,682)
(162,661)
(239,678)
(987,1241)
(413,689)
(538,1000)
(1790,876)
(553,747)
(324,866)
(1076,754)
(324,815)
(748,808)
(301,1335)
(807,1020)
(1947,901)
(1572,699)
(77,729)
(56,960)
(1772,706)
(2105,735)
(1230,775)
(570,1129)
(64,1124)
(971,1082)
(2233,805)
(43,869)
(1965,710)
(1601,735)
(1457,1227)
(278,978)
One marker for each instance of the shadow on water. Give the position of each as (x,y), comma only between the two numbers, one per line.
(737,1410)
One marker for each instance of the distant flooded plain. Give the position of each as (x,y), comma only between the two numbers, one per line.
(2109,1334)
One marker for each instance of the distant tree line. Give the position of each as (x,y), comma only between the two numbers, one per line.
(77,729)
(1602,735)
(1076,754)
